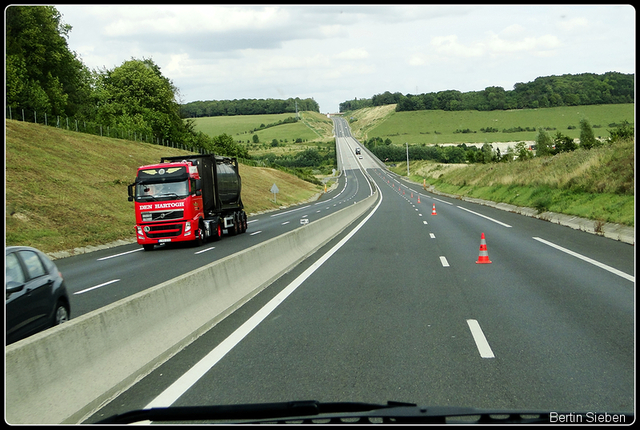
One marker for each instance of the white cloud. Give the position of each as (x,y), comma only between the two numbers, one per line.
(449,46)
(353,54)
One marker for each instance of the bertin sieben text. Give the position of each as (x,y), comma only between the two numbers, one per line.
(586,418)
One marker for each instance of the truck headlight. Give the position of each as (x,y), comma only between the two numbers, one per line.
(187,228)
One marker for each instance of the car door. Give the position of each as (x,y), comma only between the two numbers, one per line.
(16,318)
(32,305)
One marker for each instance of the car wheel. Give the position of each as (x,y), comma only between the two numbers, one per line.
(61,315)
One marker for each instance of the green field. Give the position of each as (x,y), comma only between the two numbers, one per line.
(312,126)
(436,126)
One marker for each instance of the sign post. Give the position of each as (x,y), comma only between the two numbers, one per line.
(275,190)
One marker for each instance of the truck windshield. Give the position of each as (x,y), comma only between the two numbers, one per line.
(165,190)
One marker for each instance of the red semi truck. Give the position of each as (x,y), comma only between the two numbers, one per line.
(189,198)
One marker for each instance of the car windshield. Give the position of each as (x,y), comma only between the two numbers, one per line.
(321,209)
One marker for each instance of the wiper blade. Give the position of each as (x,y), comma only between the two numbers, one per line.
(312,411)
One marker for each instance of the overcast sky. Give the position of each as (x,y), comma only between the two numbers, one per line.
(336,53)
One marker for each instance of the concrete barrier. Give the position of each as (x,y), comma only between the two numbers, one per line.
(66,373)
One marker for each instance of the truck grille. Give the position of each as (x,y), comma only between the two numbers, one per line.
(164,230)
(162,216)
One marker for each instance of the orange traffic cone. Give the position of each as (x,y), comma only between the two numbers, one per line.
(433,211)
(483,258)
(418,198)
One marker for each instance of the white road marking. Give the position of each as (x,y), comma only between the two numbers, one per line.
(287,212)
(444,262)
(256,232)
(118,255)
(432,236)
(204,250)
(484,216)
(424,222)
(182,384)
(481,342)
(434,198)
(97,286)
(285,223)
(589,260)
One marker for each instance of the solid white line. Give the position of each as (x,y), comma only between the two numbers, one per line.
(481,342)
(255,232)
(444,262)
(588,260)
(97,286)
(205,250)
(253,220)
(434,198)
(484,216)
(118,255)
(182,384)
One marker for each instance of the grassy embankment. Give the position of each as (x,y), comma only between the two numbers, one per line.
(65,189)
(597,184)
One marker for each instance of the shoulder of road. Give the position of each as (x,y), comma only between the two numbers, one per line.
(618,232)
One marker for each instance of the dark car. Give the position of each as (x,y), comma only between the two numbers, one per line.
(36,294)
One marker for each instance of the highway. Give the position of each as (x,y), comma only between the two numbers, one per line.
(99,278)
(396,307)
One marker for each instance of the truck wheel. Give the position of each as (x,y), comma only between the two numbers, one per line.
(244,222)
(148,247)
(217,234)
(199,235)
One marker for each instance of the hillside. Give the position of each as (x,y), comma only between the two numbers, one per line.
(598,184)
(442,127)
(65,189)
(312,129)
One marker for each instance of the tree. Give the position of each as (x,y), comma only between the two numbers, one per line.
(522,151)
(564,143)
(587,139)
(621,132)
(42,73)
(136,96)
(544,143)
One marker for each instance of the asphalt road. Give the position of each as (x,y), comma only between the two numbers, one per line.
(397,308)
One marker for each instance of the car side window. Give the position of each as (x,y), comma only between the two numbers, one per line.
(14,270)
(33,264)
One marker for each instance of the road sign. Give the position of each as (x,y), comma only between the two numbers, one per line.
(274,190)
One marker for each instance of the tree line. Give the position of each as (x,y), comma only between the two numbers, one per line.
(208,108)
(547,91)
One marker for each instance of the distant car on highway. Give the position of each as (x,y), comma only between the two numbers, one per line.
(36,295)
(357,151)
